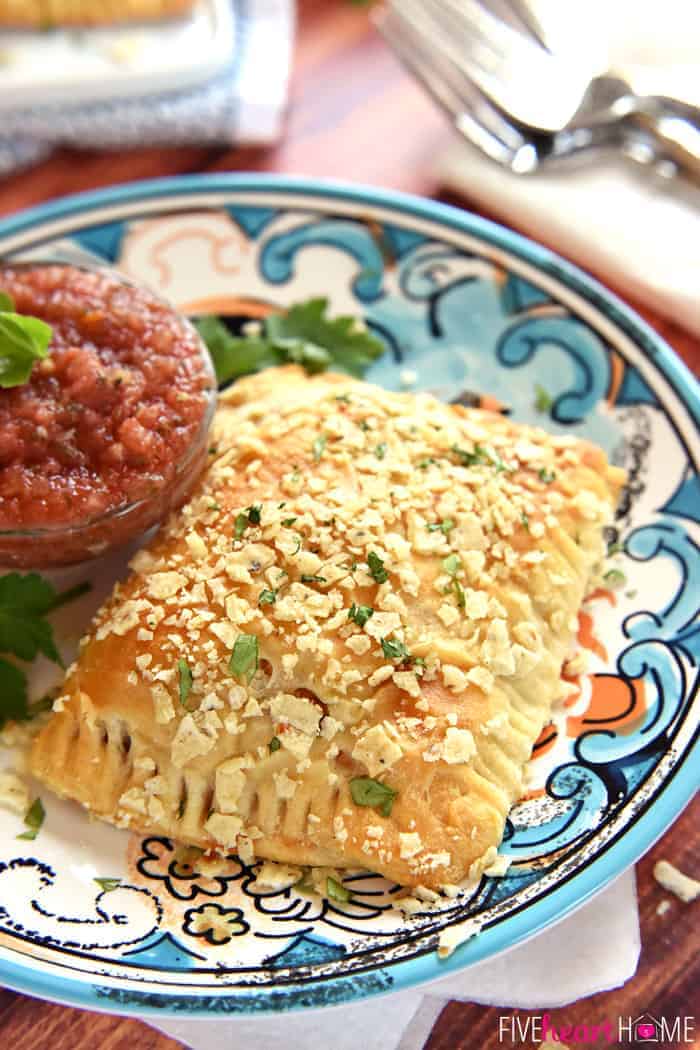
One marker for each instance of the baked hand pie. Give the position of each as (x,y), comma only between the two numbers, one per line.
(341,650)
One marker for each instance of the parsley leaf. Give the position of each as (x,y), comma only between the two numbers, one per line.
(309,578)
(445,526)
(380,450)
(240,525)
(319,446)
(304,335)
(185,680)
(615,577)
(368,792)
(451,564)
(459,593)
(348,344)
(267,597)
(525,521)
(24,602)
(108,885)
(23,342)
(245,655)
(14,705)
(394,649)
(288,521)
(376,568)
(360,614)
(337,891)
(25,632)
(543,399)
(546,476)
(33,819)
(274,745)
(250,516)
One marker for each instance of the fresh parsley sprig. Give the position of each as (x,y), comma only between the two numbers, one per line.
(23,341)
(303,335)
(25,633)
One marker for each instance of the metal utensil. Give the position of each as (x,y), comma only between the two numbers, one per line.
(541,92)
(481,121)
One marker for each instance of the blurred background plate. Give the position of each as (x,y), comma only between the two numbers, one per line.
(91,65)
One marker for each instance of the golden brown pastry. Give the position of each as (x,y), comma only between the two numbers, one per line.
(343,648)
(43,13)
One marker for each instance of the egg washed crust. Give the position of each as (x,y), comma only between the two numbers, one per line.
(471,540)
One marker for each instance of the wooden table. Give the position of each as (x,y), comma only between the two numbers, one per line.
(355,115)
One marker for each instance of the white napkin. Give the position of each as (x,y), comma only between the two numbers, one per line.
(244,103)
(595,949)
(635,230)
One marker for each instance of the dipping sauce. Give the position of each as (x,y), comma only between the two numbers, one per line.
(110,431)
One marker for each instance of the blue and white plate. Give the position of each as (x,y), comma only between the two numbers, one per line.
(463,305)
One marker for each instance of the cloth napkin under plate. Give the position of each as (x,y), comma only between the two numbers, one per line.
(595,949)
(243,103)
(633,229)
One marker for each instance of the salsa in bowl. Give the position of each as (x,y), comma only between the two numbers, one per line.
(109,431)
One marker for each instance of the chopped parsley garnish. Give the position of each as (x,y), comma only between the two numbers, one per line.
(479,457)
(343,398)
(33,819)
(423,464)
(546,476)
(245,657)
(459,593)
(23,341)
(249,516)
(267,597)
(303,335)
(108,885)
(380,450)
(274,745)
(308,578)
(319,446)
(288,521)
(376,568)
(336,891)
(445,526)
(615,577)
(394,649)
(25,601)
(360,614)
(185,679)
(368,792)
(451,564)
(543,399)
(525,521)
(363,425)
(615,548)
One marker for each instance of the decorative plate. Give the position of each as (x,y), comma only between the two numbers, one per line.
(463,305)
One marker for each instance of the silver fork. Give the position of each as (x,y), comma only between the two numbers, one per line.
(522,105)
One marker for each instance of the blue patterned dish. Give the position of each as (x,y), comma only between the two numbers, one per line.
(91,916)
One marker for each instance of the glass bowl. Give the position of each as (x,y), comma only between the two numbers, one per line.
(70,543)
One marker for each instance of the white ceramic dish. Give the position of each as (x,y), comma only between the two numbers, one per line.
(91,65)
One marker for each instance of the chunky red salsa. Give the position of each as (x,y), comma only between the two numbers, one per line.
(112,417)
